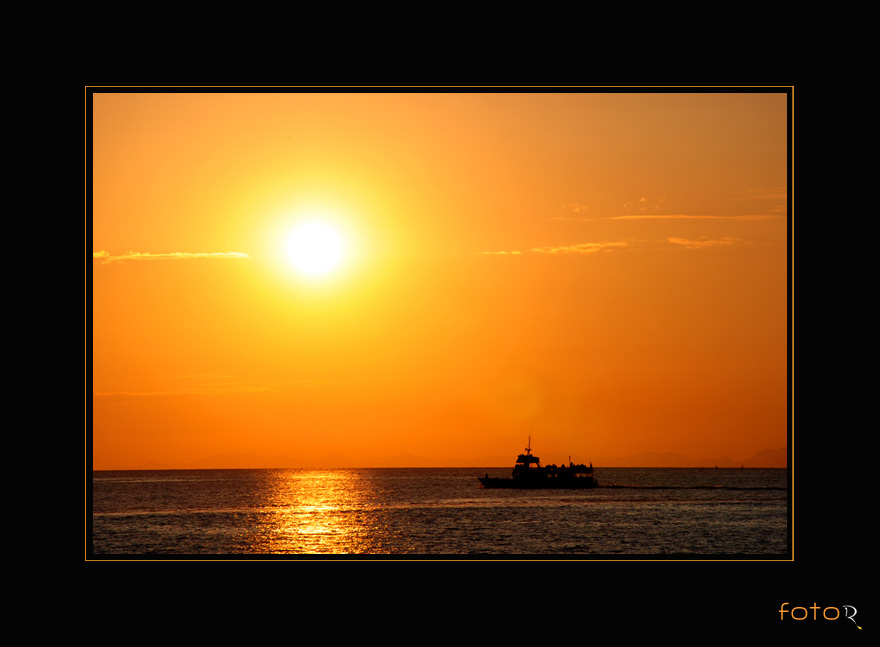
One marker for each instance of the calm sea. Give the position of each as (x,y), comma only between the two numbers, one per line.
(650,512)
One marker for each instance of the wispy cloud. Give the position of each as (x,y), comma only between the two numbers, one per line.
(580,248)
(106,257)
(576,207)
(681,216)
(702,243)
(592,248)
(642,204)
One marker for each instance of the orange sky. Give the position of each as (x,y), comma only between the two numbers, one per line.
(604,271)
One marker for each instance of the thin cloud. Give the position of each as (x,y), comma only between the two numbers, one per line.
(681,216)
(580,248)
(701,244)
(575,207)
(105,257)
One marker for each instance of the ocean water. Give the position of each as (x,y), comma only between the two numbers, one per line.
(649,512)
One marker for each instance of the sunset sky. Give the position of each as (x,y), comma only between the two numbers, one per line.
(605,272)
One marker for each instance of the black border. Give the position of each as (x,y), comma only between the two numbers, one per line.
(736,597)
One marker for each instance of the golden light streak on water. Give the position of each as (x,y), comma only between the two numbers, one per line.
(316,512)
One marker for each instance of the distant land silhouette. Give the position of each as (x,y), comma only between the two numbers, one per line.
(764,458)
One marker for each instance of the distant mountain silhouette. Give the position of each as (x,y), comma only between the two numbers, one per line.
(237,460)
(764,458)
(405,460)
(769,458)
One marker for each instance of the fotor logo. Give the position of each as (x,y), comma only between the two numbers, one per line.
(827,613)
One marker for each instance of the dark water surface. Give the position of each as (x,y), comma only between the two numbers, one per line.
(693,513)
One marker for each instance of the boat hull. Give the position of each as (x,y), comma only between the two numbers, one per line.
(529,475)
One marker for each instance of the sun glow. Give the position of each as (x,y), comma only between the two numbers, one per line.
(314,248)
(460,271)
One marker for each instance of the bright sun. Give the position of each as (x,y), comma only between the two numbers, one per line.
(314,248)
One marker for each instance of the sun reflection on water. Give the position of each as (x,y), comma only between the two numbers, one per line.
(320,512)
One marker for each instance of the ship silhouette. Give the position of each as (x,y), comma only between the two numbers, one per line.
(529,474)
